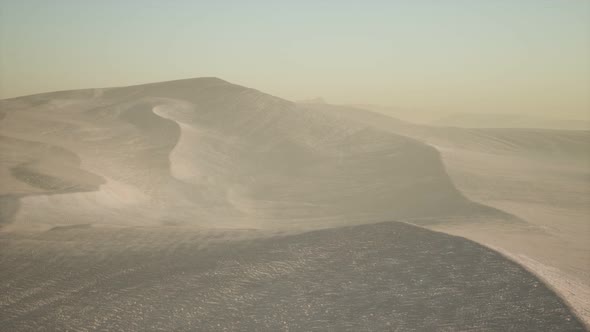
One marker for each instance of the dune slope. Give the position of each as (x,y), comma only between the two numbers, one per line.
(209,153)
(540,176)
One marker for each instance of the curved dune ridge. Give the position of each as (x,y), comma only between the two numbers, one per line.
(209,153)
(84,173)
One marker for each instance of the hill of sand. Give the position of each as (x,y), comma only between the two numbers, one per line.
(189,165)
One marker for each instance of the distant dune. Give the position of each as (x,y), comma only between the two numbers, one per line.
(540,176)
(478,120)
(473,119)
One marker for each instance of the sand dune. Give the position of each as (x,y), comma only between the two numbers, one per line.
(209,153)
(207,156)
(475,120)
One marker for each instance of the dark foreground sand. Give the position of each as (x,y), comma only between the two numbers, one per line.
(387,276)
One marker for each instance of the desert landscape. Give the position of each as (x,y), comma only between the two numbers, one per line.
(202,204)
(295,165)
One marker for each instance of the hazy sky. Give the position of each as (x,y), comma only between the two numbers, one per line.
(466,56)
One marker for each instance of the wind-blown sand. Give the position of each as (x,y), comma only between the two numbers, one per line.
(205,155)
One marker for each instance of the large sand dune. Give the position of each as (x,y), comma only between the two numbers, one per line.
(209,153)
(207,156)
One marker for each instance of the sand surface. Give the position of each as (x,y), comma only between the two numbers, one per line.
(387,276)
(204,155)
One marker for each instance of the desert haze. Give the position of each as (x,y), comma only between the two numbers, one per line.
(199,204)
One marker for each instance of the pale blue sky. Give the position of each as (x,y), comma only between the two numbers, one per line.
(530,56)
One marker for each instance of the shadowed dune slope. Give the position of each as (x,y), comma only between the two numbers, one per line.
(387,276)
